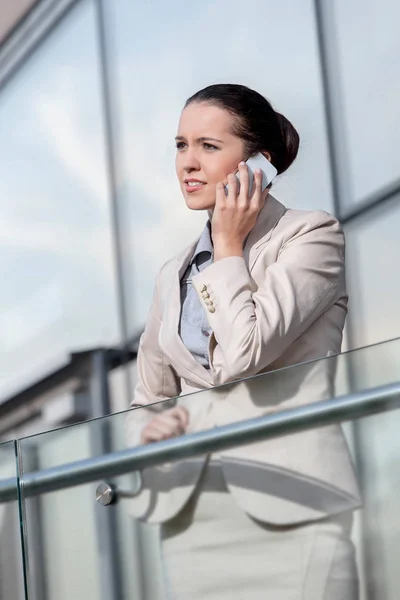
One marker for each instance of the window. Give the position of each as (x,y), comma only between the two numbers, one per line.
(59,290)
(373,283)
(368,44)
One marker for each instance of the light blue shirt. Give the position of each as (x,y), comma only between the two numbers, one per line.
(194,328)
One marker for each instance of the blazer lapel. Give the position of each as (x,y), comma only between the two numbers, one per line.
(262,231)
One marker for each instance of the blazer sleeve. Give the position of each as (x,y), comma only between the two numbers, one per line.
(253,327)
(157,380)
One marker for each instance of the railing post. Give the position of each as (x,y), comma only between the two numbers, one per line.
(108,543)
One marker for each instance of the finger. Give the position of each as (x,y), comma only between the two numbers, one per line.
(256,196)
(264,196)
(220,196)
(169,422)
(158,434)
(183,415)
(151,434)
(162,429)
(233,190)
(244,177)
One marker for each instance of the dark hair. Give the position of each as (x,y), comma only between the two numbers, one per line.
(255,122)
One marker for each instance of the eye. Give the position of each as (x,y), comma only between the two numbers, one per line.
(207,146)
(180,145)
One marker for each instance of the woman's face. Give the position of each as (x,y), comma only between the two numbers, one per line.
(207,151)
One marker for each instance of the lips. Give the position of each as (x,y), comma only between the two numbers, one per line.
(194,185)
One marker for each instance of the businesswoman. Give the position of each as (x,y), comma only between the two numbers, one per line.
(262,288)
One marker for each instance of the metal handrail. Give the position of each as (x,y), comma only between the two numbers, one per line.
(344,408)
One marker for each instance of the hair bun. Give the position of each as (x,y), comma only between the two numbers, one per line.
(291,141)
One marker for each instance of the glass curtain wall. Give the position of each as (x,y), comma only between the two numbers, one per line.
(368,48)
(368,54)
(57,261)
(161,53)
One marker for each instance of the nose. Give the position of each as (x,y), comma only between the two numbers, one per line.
(191,162)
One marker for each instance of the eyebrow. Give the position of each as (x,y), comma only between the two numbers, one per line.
(179,138)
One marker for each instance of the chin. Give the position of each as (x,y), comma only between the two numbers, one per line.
(198,203)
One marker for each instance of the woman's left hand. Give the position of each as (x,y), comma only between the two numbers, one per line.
(236,214)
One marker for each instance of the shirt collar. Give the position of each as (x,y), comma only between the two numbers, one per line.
(205,243)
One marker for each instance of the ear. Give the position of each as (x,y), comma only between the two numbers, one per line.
(267,155)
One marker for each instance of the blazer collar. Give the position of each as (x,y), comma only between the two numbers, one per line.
(204,244)
(268,218)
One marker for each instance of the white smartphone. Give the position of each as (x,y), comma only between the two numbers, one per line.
(258,162)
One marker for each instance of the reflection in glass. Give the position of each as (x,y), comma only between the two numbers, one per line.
(56,252)
(368,44)
(372,281)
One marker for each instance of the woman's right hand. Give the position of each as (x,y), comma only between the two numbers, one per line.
(167,424)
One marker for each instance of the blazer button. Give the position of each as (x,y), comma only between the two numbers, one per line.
(211,309)
(205,295)
(208,302)
(203,289)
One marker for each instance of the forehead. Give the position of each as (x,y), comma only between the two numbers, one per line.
(202,120)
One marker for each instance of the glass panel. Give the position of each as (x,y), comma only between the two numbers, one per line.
(369,63)
(55,228)
(12,578)
(151,86)
(86,550)
(61,539)
(372,264)
(299,490)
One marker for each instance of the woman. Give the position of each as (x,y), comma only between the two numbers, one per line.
(262,288)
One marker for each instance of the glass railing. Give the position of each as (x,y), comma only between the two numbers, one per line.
(12,571)
(280,483)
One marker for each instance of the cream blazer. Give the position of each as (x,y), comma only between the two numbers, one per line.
(282,304)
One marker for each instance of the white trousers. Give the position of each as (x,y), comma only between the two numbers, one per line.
(212,550)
